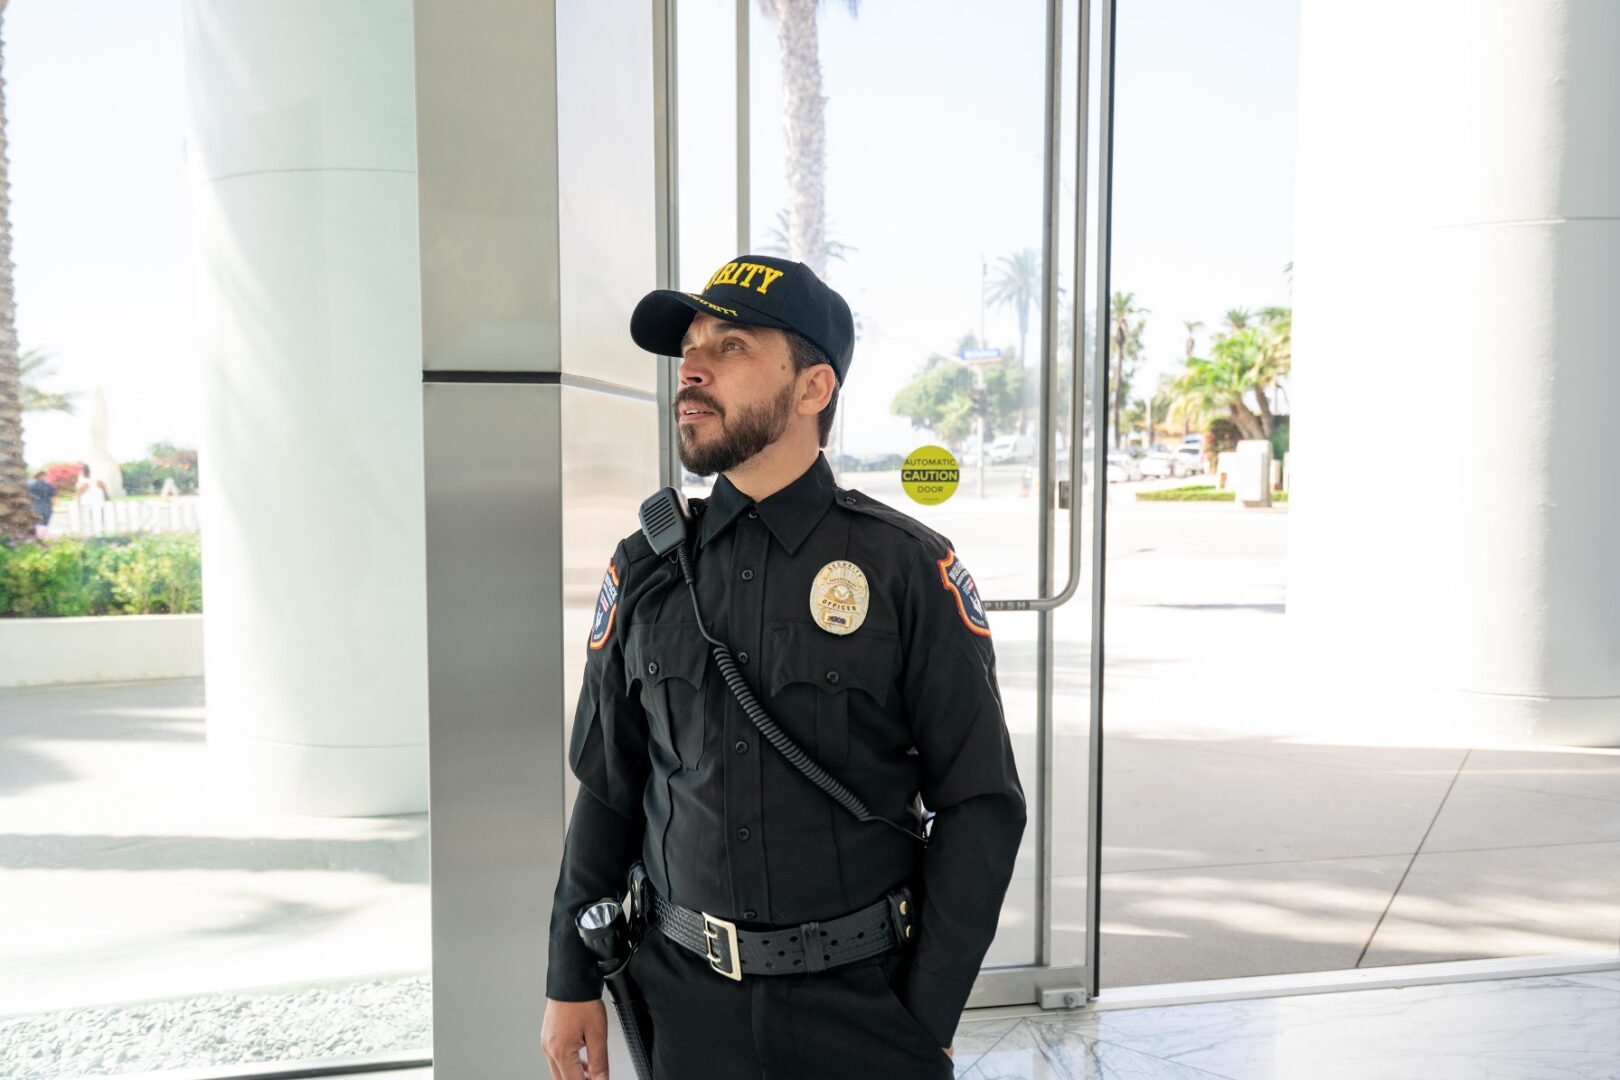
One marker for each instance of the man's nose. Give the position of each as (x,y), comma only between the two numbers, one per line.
(693,372)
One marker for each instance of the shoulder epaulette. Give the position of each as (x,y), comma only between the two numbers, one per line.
(636,547)
(862,503)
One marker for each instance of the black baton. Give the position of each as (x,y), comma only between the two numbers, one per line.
(605,931)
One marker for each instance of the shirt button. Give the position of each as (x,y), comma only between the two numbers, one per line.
(652,668)
(832,676)
(743,833)
(748,575)
(849,500)
(742,658)
(753,513)
(741,747)
(750,914)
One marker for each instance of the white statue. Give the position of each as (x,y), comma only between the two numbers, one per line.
(101,462)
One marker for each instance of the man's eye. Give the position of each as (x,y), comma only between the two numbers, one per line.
(731,343)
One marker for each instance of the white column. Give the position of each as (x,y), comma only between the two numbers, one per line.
(303,185)
(1455,516)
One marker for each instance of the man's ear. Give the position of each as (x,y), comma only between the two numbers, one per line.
(817,389)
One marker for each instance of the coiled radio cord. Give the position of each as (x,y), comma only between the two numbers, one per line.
(781,740)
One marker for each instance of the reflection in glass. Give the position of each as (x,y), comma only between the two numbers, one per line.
(1254,824)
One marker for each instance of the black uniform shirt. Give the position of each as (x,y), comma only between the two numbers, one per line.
(672,771)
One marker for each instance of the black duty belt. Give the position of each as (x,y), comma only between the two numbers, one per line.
(787,950)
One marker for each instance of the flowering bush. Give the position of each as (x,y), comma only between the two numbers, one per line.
(148,574)
(62,475)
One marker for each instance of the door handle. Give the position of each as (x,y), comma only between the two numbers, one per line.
(1069,488)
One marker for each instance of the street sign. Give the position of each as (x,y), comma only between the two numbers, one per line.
(967,356)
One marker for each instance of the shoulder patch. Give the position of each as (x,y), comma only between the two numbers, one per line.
(607,606)
(959,583)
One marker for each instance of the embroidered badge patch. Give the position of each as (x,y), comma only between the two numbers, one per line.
(959,583)
(607,604)
(840,597)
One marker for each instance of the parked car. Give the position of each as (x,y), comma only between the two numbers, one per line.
(844,462)
(1160,463)
(1122,467)
(1191,457)
(1012,450)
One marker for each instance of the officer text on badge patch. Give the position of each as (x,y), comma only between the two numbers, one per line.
(959,583)
(840,597)
(607,603)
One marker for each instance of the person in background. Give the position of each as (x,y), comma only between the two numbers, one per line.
(42,493)
(93,496)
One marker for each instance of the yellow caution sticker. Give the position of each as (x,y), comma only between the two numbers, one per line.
(840,597)
(930,475)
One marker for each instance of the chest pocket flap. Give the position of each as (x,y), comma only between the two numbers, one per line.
(804,656)
(864,660)
(670,660)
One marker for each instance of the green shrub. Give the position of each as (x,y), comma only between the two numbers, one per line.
(44,578)
(141,574)
(1198,493)
(139,477)
(1190,493)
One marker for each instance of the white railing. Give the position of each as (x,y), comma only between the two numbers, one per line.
(125,516)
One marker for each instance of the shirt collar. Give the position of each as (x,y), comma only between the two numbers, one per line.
(790,514)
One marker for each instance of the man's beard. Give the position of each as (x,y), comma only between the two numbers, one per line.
(744,433)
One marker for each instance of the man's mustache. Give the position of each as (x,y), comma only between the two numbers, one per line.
(694,397)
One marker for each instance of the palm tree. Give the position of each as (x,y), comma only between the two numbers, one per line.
(777,241)
(1193,326)
(1126,338)
(33,367)
(1217,384)
(1237,319)
(1276,357)
(796,34)
(1017,285)
(16,512)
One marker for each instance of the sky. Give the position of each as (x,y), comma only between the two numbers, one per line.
(933,127)
(95,120)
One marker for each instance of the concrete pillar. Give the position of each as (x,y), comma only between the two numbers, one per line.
(1454,512)
(302,161)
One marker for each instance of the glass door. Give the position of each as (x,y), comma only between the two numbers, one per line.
(929,160)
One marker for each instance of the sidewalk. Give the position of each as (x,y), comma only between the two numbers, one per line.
(1225,855)
(122,882)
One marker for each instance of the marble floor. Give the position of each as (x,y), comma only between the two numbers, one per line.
(1533,1028)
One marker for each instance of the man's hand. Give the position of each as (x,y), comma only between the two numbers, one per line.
(568,1026)
(948,1052)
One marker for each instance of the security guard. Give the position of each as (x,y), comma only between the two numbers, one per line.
(787,938)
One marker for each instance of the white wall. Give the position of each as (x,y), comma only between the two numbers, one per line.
(1457,264)
(112,648)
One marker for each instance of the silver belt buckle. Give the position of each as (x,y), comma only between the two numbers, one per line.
(716,930)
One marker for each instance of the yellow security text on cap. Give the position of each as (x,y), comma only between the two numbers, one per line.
(720,277)
(713,306)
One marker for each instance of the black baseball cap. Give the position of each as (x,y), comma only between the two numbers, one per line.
(754,290)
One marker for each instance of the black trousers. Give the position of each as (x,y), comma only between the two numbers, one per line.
(843,1024)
